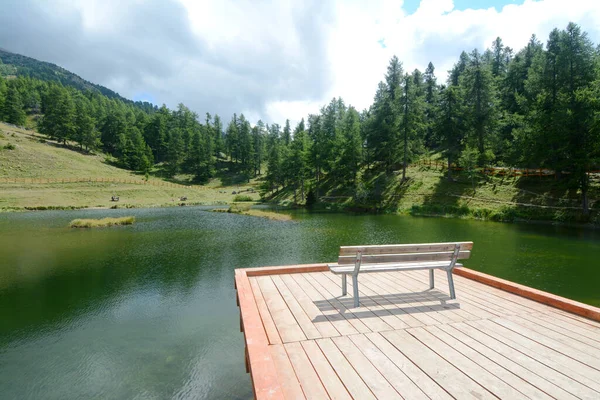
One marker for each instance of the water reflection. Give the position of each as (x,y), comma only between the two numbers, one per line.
(148,311)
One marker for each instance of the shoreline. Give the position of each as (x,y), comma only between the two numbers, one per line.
(326,208)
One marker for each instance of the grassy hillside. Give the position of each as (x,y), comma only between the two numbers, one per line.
(43,171)
(49,175)
(428,192)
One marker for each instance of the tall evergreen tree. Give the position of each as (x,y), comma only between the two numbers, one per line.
(480,94)
(13,107)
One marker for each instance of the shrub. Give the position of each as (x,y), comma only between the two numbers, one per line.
(9,146)
(97,223)
(238,208)
(242,197)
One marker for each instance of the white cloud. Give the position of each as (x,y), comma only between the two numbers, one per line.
(435,32)
(270,59)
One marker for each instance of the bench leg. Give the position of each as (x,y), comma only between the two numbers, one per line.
(431,279)
(355,288)
(344,285)
(451,284)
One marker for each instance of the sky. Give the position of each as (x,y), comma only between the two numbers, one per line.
(269,59)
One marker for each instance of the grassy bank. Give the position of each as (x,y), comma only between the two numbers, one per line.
(427,191)
(244,209)
(100,223)
(39,174)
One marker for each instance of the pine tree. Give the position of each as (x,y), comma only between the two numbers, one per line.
(155,133)
(431,103)
(299,158)
(59,114)
(13,112)
(411,102)
(450,124)
(258,146)
(2,96)
(480,93)
(218,138)
(175,154)
(85,133)
(287,133)
(351,149)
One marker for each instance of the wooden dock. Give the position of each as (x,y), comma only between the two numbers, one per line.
(496,340)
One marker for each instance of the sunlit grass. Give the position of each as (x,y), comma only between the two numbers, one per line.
(99,223)
(245,209)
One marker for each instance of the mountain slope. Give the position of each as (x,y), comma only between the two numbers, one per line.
(16,64)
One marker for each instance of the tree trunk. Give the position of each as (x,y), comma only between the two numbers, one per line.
(449,169)
(585,181)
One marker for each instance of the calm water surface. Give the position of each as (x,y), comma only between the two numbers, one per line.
(148,311)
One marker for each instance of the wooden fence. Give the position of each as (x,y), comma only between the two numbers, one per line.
(500,171)
(96,180)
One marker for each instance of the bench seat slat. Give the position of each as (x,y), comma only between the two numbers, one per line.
(407,257)
(404,248)
(382,267)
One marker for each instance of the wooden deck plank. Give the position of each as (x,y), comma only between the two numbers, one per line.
(574,372)
(472,364)
(365,315)
(388,369)
(393,316)
(392,296)
(546,349)
(445,374)
(335,388)
(286,324)
(285,372)
(585,325)
(430,387)
(505,357)
(345,323)
(265,315)
(566,343)
(304,340)
(372,301)
(538,296)
(442,312)
(307,376)
(350,378)
(309,329)
(571,330)
(378,384)
(441,283)
(592,325)
(474,309)
(486,363)
(324,326)
(497,305)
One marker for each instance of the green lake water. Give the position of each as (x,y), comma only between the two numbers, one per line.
(148,311)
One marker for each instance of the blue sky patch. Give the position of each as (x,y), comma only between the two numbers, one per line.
(144,97)
(382,43)
(410,6)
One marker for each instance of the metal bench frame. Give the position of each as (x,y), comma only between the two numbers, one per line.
(401,266)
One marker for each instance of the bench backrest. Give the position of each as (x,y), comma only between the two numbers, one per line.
(394,253)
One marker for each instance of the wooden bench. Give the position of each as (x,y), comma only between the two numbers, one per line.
(400,257)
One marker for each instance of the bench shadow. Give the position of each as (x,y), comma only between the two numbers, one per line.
(434,301)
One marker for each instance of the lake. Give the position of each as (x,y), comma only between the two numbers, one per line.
(148,311)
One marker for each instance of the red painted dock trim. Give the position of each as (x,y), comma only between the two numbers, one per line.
(550,299)
(260,364)
(261,367)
